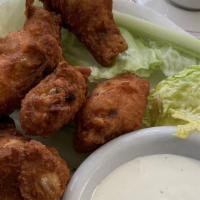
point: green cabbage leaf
(176, 101)
(146, 54)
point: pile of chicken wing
(35, 77)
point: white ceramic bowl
(159, 140)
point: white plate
(188, 20)
(63, 141)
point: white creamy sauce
(156, 177)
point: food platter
(63, 141)
(100, 80)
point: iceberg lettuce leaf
(176, 101)
(143, 57)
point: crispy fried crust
(54, 101)
(11, 154)
(47, 177)
(8, 140)
(30, 170)
(28, 55)
(115, 107)
(92, 22)
(10, 159)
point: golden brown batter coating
(28, 55)
(9, 171)
(8, 140)
(11, 152)
(115, 107)
(92, 22)
(43, 174)
(30, 170)
(54, 101)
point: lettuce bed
(176, 101)
(164, 51)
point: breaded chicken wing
(30, 170)
(11, 148)
(28, 55)
(43, 174)
(92, 22)
(115, 107)
(54, 101)
(10, 159)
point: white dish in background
(188, 20)
(159, 140)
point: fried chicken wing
(54, 101)
(30, 170)
(92, 22)
(115, 107)
(28, 55)
(11, 148)
(47, 177)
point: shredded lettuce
(176, 101)
(144, 57)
